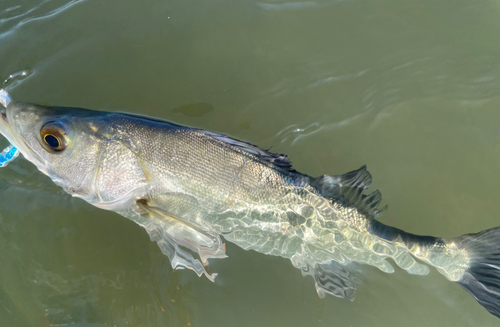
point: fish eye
(53, 137)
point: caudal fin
(482, 278)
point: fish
(191, 189)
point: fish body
(187, 187)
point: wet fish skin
(187, 187)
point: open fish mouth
(4, 116)
(6, 128)
(3, 112)
(5, 99)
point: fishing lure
(11, 152)
(8, 154)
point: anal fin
(332, 278)
(174, 234)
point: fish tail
(471, 260)
(482, 277)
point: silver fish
(186, 187)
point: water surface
(408, 87)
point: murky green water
(408, 87)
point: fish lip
(8, 132)
(5, 127)
(5, 100)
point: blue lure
(8, 154)
(11, 152)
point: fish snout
(5, 99)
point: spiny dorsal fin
(278, 159)
(348, 188)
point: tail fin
(482, 278)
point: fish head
(63, 143)
(77, 148)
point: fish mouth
(5, 99)
(4, 115)
(9, 131)
(5, 128)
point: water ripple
(287, 5)
(17, 77)
(16, 15)
(295, 133)
(294, 5)
(336, 78)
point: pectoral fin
(173, 233)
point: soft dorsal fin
(348, 188)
